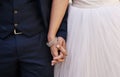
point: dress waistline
(93, 5)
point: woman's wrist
(51, 42)
(50, 37)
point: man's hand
(58, 51)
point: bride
(93, 41)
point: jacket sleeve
(62, 32)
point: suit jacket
(31, 19)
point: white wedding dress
(93, 41)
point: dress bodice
(91, 3)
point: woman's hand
(58, 51)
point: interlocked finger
(62, 50)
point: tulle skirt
(93, 43)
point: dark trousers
(22, 56)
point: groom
(23, 37)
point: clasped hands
(58, 50)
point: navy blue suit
(23, 35)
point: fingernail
(52, 64)
(58, 46)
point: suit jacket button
(15, 11)
(15, 24)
